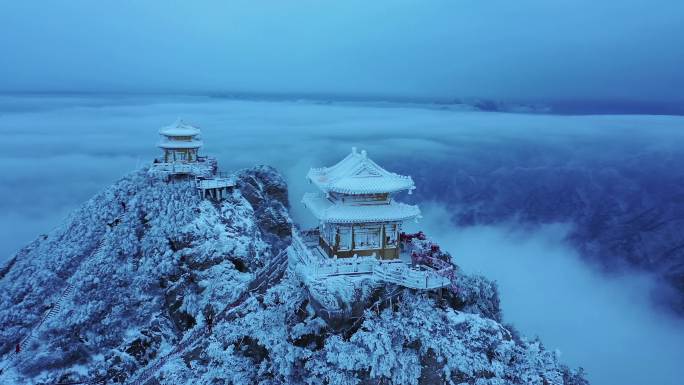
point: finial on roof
(354, 150)
(364, 153)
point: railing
(342, 266)
(215, 183)
(182, 168)
(405, 276)
(423, 253)
(310, 236)
(301, 253)
(204, 166)
(438, 274)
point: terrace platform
(311, 263)
(203, 167)
(216, 187)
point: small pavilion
(180, 142)
(357, 213)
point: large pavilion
(356, 209)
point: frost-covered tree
(146, 263)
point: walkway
(48, 314)
(262, 282)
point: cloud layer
(59, 151)
(605, 324)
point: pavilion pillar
(383, 244)
(336, 245)
(353, 239)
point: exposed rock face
(146, 262)
(265, 189)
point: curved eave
(371, 186)
(179, 144)
(174, 133)
(373, 189)
(326, 211)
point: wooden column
(336, 246)
(353, 241)
(383, 244)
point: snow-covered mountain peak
(149, 283)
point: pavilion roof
(325, 210)
(179, 128)
(358, 174)
(179, 144)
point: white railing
(403, 275)
(344, 266)
(395, 271)
(301, 253)
(204, 167)
(215, 183)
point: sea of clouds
(58, 151)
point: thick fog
(604, 323)
(60, 151)
(521, 50)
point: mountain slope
(146, 264)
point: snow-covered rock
(146, 263)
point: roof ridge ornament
(354, 150)
(364, 154)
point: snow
(176, 144)
(146, 258)
(201, 168)
(179, 128)
(358, 174)
(150, 261)
(326, 211)
(215, 183)
(274, 344)
(320, 273)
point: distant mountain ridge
(9, 102)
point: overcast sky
(526, 49)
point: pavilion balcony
(203, 167)
(312, 263)
(216, 182)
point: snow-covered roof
(327, 211)
(358, 174)
(179, 128)
(175, 144)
